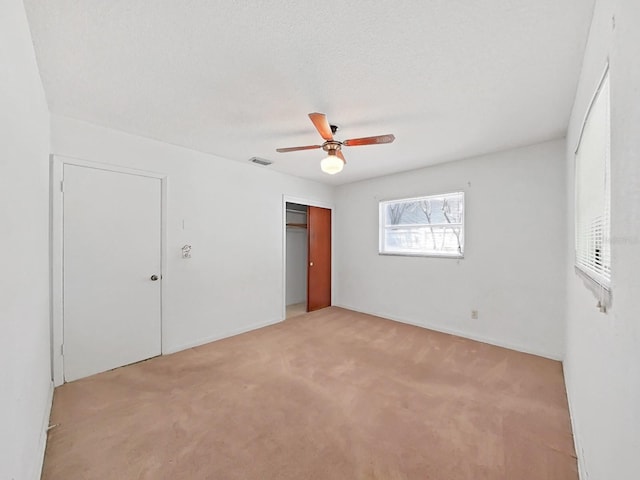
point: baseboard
(213, 338)
(42, 441)
(582, 470)
(460, 333)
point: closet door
(319, 267)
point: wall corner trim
(582, 471)
(38, 458)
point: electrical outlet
(474, 314)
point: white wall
(297, 252)
(25, 373)
(602, 364)
(232, 215)
(513, 270)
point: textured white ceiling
(449, 78)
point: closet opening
(307, 258)
(297, 257)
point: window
(428, 226)
(593, 198)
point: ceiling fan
(334, 162)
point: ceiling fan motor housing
(331, 146)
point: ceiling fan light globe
(332, 165)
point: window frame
(382, 226)
(599, 284)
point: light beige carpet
(331, 394)
(296, 309)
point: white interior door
(112, 250)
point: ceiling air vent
(260, 161)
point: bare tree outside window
(396, 211)
(425, 206)
(446, 210)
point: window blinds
(593, 199)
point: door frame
(56, 253)
(312, 203)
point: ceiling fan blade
(295, 149)
(341, 156)
(322, 125)
(356, 142)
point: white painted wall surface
(232, 214)
(602, 363)
(513, 270)
(25, 375)
(297, 251)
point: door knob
(154, 278)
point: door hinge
(62, 349)
(62, 186)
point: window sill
(600, 292)
(428, 255)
